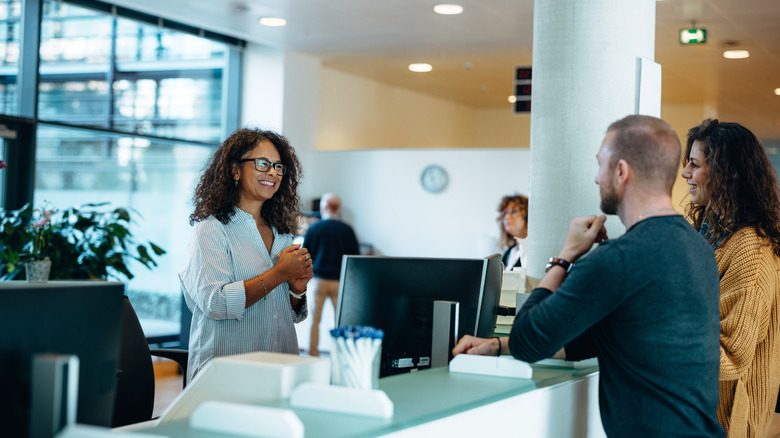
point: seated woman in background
(245, 281)
(513, 220)
(735, 205)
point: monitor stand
(445, 332)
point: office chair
(134, 394)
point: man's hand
(583, 233)
(473, 345)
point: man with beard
(644, 304)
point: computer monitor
(396, 294)
(67, 317)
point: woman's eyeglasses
(264, 165)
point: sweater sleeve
(747, 268)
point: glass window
(154, 180)
(142, 107)
(10, 14)
(160, 82)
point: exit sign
(693, 36)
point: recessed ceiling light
(736, 54)
(777, 91)
(511, 99)
(273, 21)
(420, 68)
(448, 9)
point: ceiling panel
(378, 40)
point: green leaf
(143, 252)
(122, 214)
(157, 250)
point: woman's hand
(299, 284)
(294, 264)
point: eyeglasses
(510, 211)
(264, 165)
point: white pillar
(585, 58)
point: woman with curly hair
(245, 282)
(735, 205)
(513, 221)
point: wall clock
(433, 178)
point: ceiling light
(777, 91)
(445, 9)
(420, 68)
(273, 21)
(736, 54)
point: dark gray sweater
(645, 304)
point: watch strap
(555, 261)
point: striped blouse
(221, 258)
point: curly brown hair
(741, 183)
(507, 239)
(217, 194)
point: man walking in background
(327, 241)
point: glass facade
(127, 113)
(10, 28)
(155, 179)
(100, 71)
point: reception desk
(555, 402)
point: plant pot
(38, 271)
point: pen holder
(355, 356)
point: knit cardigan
(749, 334)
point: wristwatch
(565, 264)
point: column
(585, 76)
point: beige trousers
(320, 289)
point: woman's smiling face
(253, 184)
(696, 172)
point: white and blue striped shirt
(222, 257)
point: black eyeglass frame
(280, 168)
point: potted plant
(91, 241)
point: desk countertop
(418, 398)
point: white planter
(38, 271)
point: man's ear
(622, 171)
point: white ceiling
(474, 54)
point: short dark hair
(217, 194)
(650, 146)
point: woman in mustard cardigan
(735, 205)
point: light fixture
(420, 67)
(273, 21)
(448, 9)
(511, 99)
(736, 54)
(777, 91)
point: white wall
(383, 199)
(380, 189)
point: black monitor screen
(396, 294)
(80, 317)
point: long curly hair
(507, 239)
(741, 183)
(217, 194)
